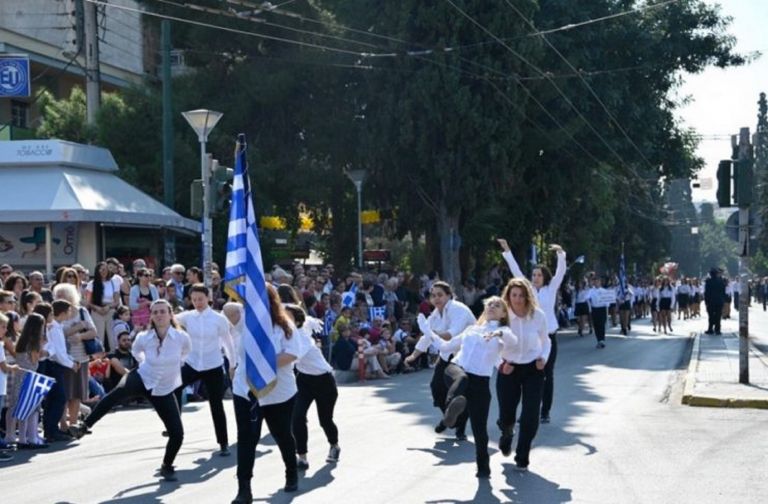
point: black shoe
(483, 473)
(709, 332)
(168, 473)
(440, 427)
(544, 418)
(224, 451)
(291, 483)
(455, 408)
(505, 445)
(59, 436)
(302, 464)
(165, 433)
(243, 497)
(460, 436)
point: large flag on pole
(622, 278)
(34, 388)
(244, 280)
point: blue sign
(14, 76)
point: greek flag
(348, 298)
(534, 255)
(622, 278)
(244, 280)
(34, 388)
(377, 311)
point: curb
(693, 365)
(691, 399)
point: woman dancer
(275, 407)
(449, 319)
(468, 374)
(521, 377)
(546, 287)
(315, 383)
(160, 352)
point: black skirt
(582, 309)
(654, 305)
(665, 303)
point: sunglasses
(5, 273)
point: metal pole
(207, 223)
(48, 252)
(359, 186)
(744, 232)
(169, 252)
(92, 75)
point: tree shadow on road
(483, 495)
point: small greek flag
(244, 280)
(348, 298)
(34, 388)
(377, 311)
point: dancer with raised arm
(476, 352)
(546, 286)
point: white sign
(605, 297)
(24, 244)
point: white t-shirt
(110, 287)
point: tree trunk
(450, 243)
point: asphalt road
(618, 435)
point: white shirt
(209, 332)
(3, 378)
(111, 286)
(310, 359)
(454, 319)
(666, 292)
(286, 380)
(583, 296)
(598, 297)
(57, 346)
(547, 294)
(160, 365)
(532, 336)
(476, 354)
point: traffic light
(724, 184)
(221, 188)
(743, 180)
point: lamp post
(203, 121)
(357, 177)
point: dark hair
(299, 317)
(277, 312)
(26, 298)
(445, 286)
(544, 272)
(31, 339)
(44, 309)
(97, 294)
(198, 273)
(61, 306)
(288, 294)
(12, 279)
(199, 287)
(119, 311)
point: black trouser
(214, 385)
(524, 383)
(439, 387)
(166, 407)
(322, 389)
(278, 417)
(56, 400)
(599, 317)
(549, 378)
(715, 315)
(736, 300)
(476, 390)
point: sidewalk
(713, 374)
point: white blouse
(310, 359)
(285, 388)
(533, 339)
(547, 294)
(209, 332)
(160, 363)
(478, 355)
(455, 318)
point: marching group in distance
(118, 336)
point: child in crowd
(122, 321)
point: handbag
(92, 346)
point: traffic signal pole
(743, 176)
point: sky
(722, 101)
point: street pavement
(619, 434)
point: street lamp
(203, 121)
(357, 177)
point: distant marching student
(666, 301)
(654, 301)
(477, 351)
(546, 286)
(315, 383)
(449, 319)
(599, 301)
(160, 352)
(683, 298)
(624, 302)
(581, 309)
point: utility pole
(92, 73)
(169, 254)
(743, 175)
